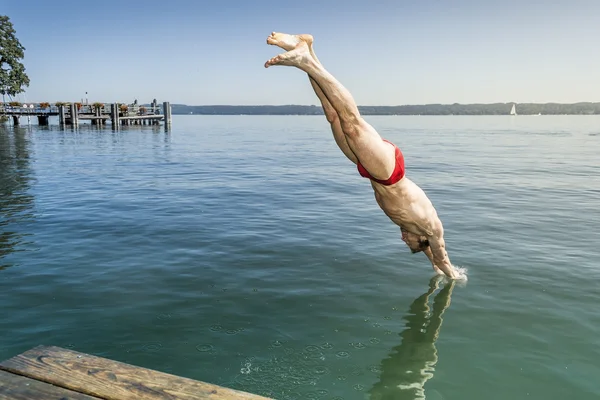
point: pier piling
(114, 115)
(74, 120)
(61, 115)
(167, 112)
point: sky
(386, 52)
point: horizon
(387, 53)
(373, 105)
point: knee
(332, 116)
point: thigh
(375, 155)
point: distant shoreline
(584, 108)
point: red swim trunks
(396, 175)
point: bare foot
(295, 58)
(289, 42)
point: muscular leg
(373, 153)
(334, 121)
(289, 42)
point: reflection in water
(15, 180)
(411, 364)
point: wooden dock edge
(101, 378)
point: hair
(423, 245)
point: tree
(13, 78)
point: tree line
(425, 109)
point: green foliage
(13, 78)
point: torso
(407, 206)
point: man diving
(377, 159)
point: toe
(270, 62)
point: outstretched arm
(440, 256)
(429, 255)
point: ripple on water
(375, 369)
(152, 347)
(203, 348)
(321, 370)
(316, 394)
(312, 349)
(284, 375)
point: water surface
(248, 252)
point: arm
(440, 256)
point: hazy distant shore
(426, 109)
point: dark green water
(248, 252)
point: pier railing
(35, 109)
(127, 110)
(98, 113)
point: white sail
(513, 111)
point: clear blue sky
(386, 52)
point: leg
(289, 42)
(334, 121)
(373, 153)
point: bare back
(407, 206)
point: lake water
(246, 251)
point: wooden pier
(98, 113)
(53, 373)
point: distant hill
(426, 109)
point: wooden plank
(112, 380)
(15, 387)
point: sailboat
(513, 110)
